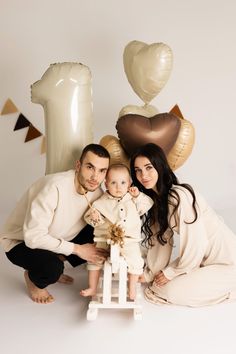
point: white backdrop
(202, 35)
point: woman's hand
(160, 279)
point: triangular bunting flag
(21, 122)
(175, 110)
(43, 146)
(33, 133)
(9, 107)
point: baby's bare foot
(132, 294)
(41, 296)
(133, 279)
(88, 292)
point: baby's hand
(141, 279)
(95, 215)
(134, 191)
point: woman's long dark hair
(166, 180)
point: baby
(120, 207)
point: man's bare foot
(88, 292)
(41, 296)
(65, 279)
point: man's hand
(90, 253)
(134, 191)
(160, 279)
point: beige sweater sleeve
(143, 203)
(193, 240)
(38, 219)
(157, 258)
(93, 217)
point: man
(47, 225)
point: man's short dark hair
(97, 149)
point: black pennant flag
(21, 122)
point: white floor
(62, 328)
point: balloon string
(77, 184)
(89, 204)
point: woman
(204, 271)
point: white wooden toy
(112, 288)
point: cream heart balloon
(147, 110)
(147, 67)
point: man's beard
(91, 189)
(88, 189)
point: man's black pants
(45, 267)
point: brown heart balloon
(135, 130)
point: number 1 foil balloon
(65, 93)
(147, 67)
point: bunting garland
(9, 107)
(33, 133)
(175, 110)
(22, 122)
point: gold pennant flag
(9, 107)
(175, 110)
(32, 133)
(43, 145)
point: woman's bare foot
(41, 296)
(65, 279)
(88, 292)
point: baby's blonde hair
(118, 166)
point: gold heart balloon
(184, 144)
(147, 67)
(116, 151)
